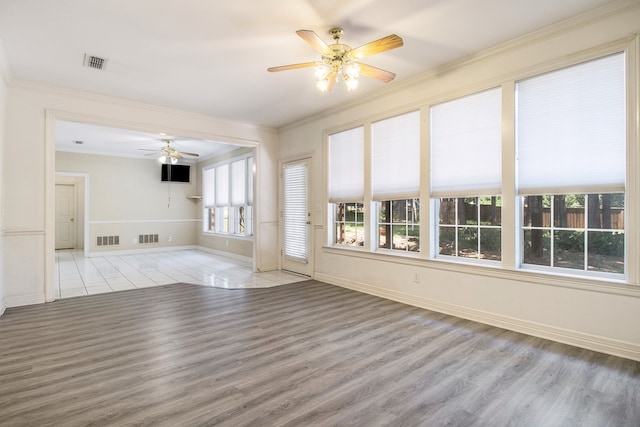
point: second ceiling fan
(168, 154)
(341, 61)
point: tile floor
(77, 275)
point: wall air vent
(107, 240)
(94, 62)
(147, 238)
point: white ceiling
(85, 138)
(211, 56)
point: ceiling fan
(168, 154)
(341, 61)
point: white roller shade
(571, 129)
(238, 183)
(222, 185)
(250, 181)
(395, 157)
(208, 187)
(466, 146)
(346, 166)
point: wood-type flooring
(303, 354)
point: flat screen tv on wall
(176, 173)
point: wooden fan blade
(292, 66)
(151, 154)
(386, 43)
(315, 41)
(332, 81)
(184, 153)
(148, 149)
(376, 73)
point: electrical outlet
(170, 238)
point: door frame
(308, 158)
(85, 221)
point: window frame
(579, 187)
(456, 226)
(391, 225)
(510, 265)
(335, 221)
(585, 229)
(485, 183)
(224, 220)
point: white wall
(28, 199)
(127, 198)
(3, 109)
(593, 314)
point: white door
(65, 216)
(296, 218)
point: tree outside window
(575, 231)
(399, 225)
(470, 227)
(349, 224)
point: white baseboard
(140, 251)
(565, 336)
(21, 300)
(3, 306)
(223, 253)
(170, 248)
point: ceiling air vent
(94, 62)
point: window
(571, 135)
(210, 224)
(228, 197)
(245, 220)
(239, 196)
(554, 175)
(346, 186)
(395, 181)
(576, 231)
(208, 198)
(466, 175)
(399, 225)
(470, 227)
(349, 224)
(222, 198)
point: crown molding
(568, 25)
(123, 102)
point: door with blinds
(296, 218)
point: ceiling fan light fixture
(322, 70)
(350, 82)
(351, 70)
(339, 60)
(167, 160)
(322, 84)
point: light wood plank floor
(300, 354)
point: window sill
(494, 269)
(228, 236)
